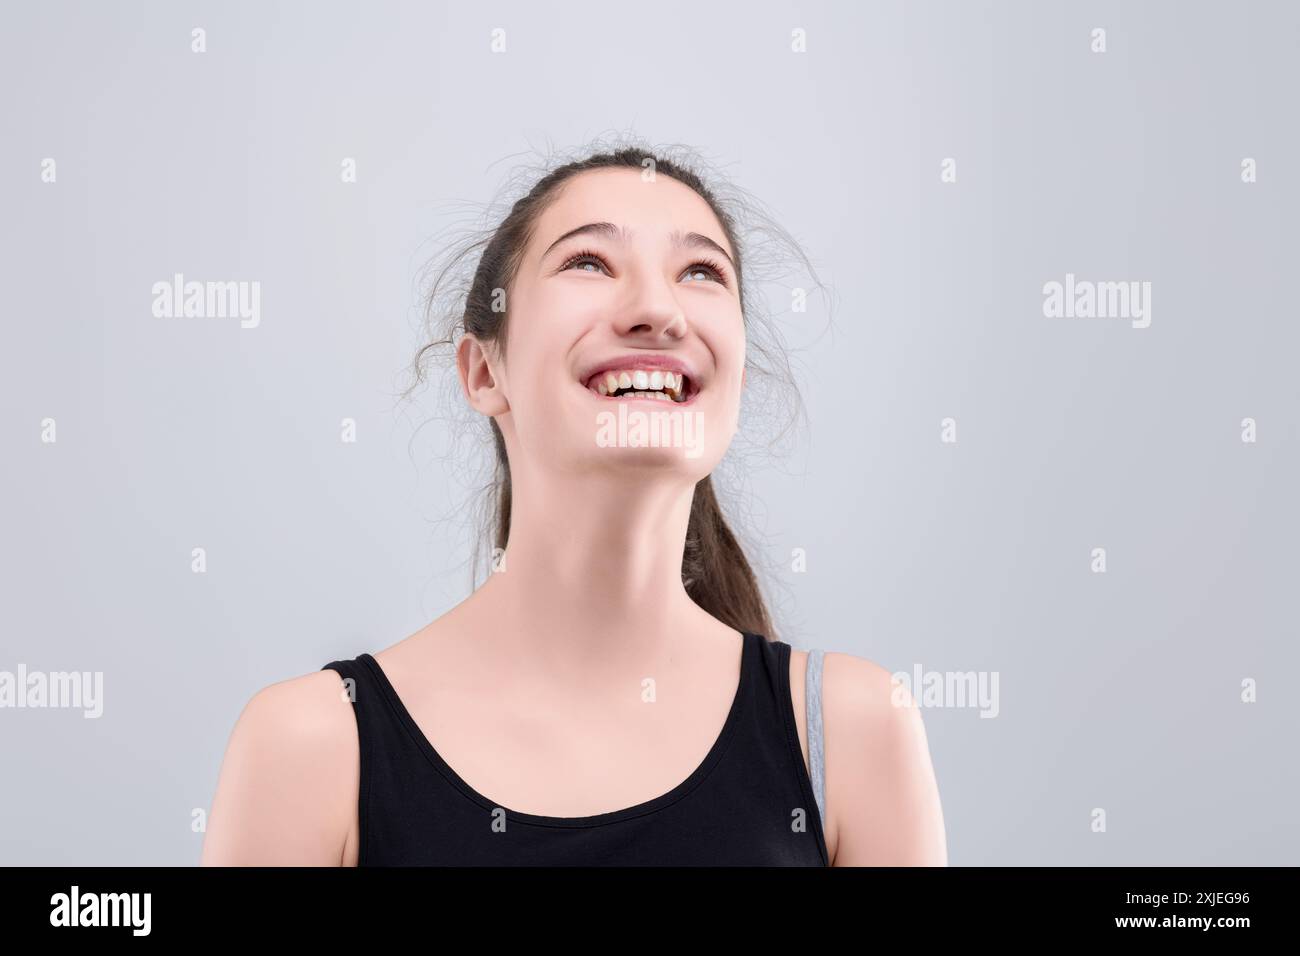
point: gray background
(1119, 691)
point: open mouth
(637, 383)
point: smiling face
(625, 301)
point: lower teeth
(662, 396)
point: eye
(585, 258)
(708, 268)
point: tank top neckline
(748, 662)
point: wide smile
(631, 384)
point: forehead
(649, 210)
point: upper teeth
(647, 380)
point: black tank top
(750, 803)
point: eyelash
(588, 254)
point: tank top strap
(816, 741)
(383, 746)
(777, 708)
(358, 685)
(377, 722)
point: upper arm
(287, 789)
(880, 783)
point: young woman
(613, 693)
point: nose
(653, 311)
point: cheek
(540, 379)
(557, 316)
(723, 329)
(569, 300)
(726, 342)
(727, 345)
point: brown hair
(715, 571)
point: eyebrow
(680, 240)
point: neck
(594, 560)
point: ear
(477, 379)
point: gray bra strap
(816, 744)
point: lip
(651, 362)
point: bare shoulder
(287, 790)
(881, 794)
